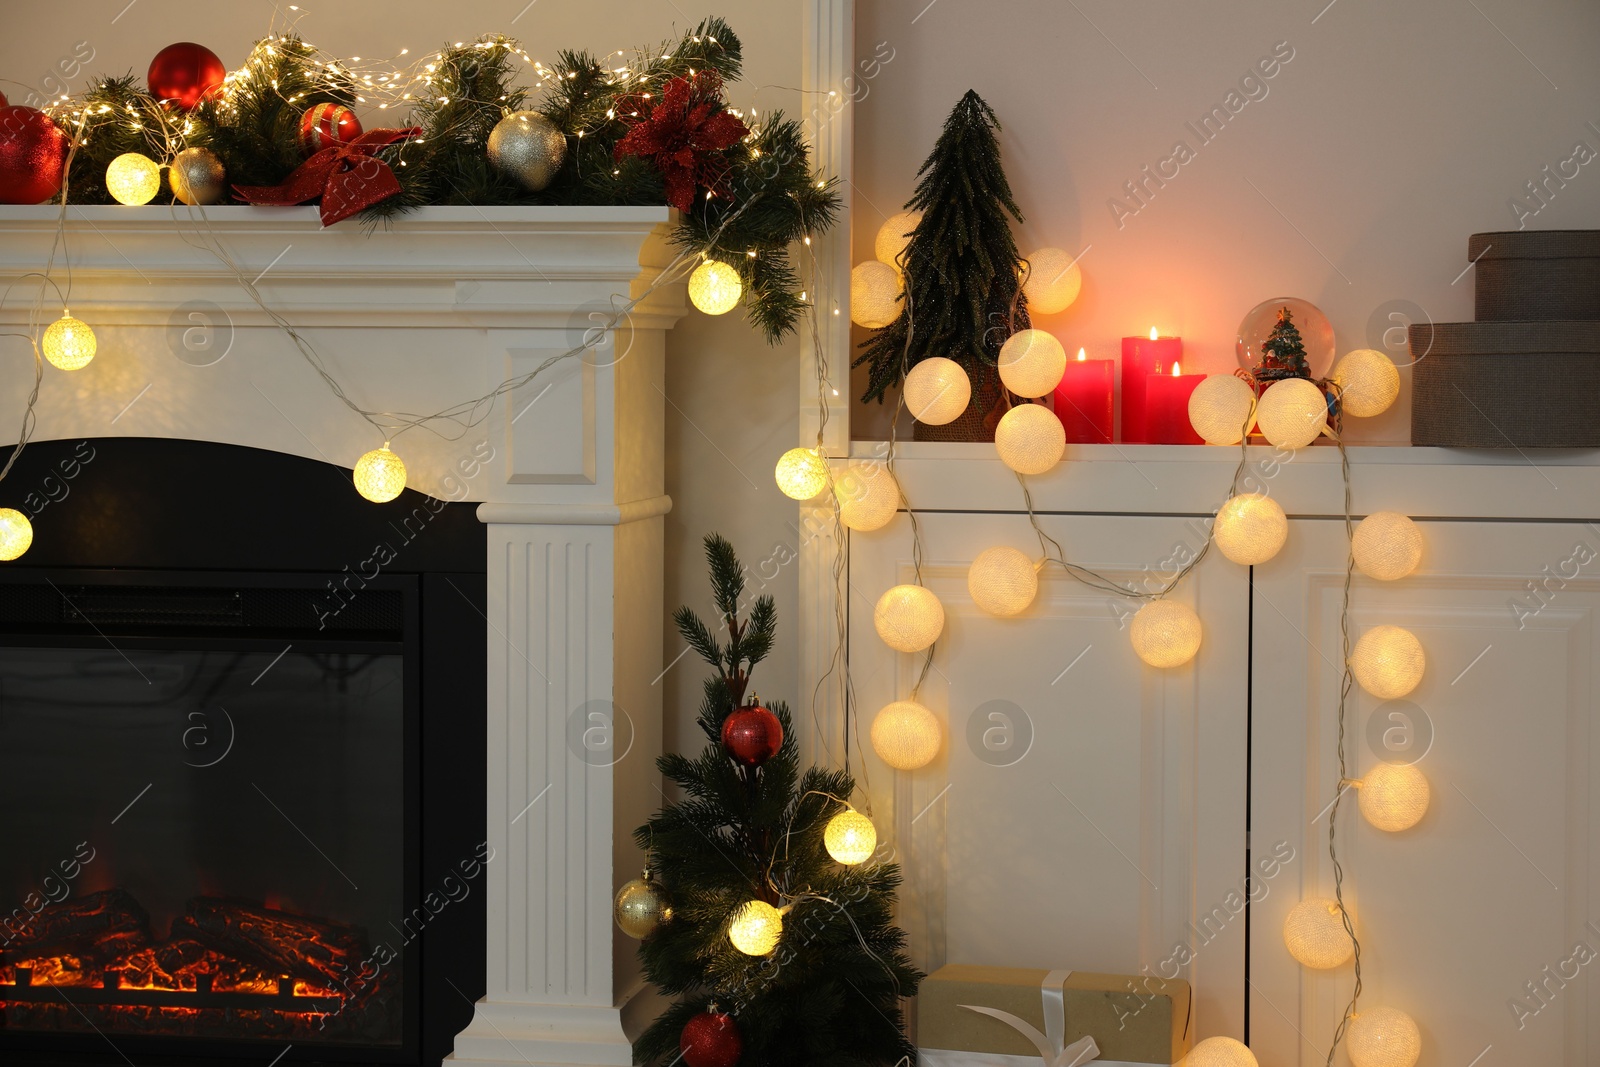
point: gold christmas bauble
(893, 236)
(1368, 382)
(1394, 796)
(1315, 936)
(380, 475)
(16, 533)
(527, 147)
(1053, 280)
(1383, 1037)
(641, 906)
(197, 177)
(1388, 661)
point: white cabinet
(1119, 841)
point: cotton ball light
(1002, 581)
(1292, 413)
(380, 475)
(874, 294)
(1368, 382)
(850, 837)
(1220, 1052)
(16, 533)
(1387, 545)
(133, 179)
(937, 391)
(801, 473)
(715, 288)
(1394, 796)
(868, 496)
(69, 343)
(1165, 633)
(905, 735)
(1054, 279)
(1218, 408)
(1250, 528)
(1388, 662)
(1030, 439)
(1315, 936)
(755, 928)
(893, 236)
(909, 618)
(1383, 1037)
(1032, 363)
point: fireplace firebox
(246, 803)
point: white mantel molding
(576, 514)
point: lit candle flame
(1153, 335)
(1175, 369)
(1082, 355)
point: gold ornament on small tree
(641, 906)
(528, 148)
(197, 177)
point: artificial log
(274, 941)
(101, 926)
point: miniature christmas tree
(1283, 353)
(961, 264)
(745, 862)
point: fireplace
(219, 846)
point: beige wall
(732, 399)
(1394, 132)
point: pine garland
(253, 126)
(829, 994)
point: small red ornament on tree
(682, 133)
(327, 126)
(711, 1039)
(184, 73)
(33, 156)
(752, 734)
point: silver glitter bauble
(528, 147)
(641, 906)
(197, 176)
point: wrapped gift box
(1133, 1019)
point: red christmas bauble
(711, 1039)
(33, 156)
(752, 735)
(184, 73)
(325, 125)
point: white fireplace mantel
(435, 309)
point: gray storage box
(1524, 275)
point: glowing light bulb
(909, 618)
(937, 391)
(16, 533)
(1053, 282)
(875, 294)
(868, 496)
(756, 928)
(69, 343)
(1220, 1052)
(1030, 439)
(1368, 382)
(1383, 1037)
(1315, 936)
(1218, 408)
(1292, 413)
(850, 837)
(801, 473)
(133, 179)
(380, 475)
(1250, 529)
(1031, 363)
(1165, 633)
(893, 236)
(1394, 796)
(1388, 661)
(1002, 581)
(905, 735)
(1387, 545)
(715, 288)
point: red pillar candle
(1167, 408)
(1083, 400)
(1142, 357)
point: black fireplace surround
(242, 742)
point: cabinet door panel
(1494, 885)
(1086, 811)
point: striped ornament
(325, 125)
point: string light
(1220, 1052)
(1002, 581)
(1394, 796)
(756, 928)
(69, 343)
(874, 294)
(16, 533)
(801, 473)
(937, 390)
(868, 496)
(715, 288)
(893, 236)
(133, 179)
(1250, 529)
(380, 475)
(1218, 408)
(1053, 280)
(850, 837)
(1032, 363)
(1383, 1037)
(1165, 633)
(909, 618)
(906, 735)
(1388, 662)
(1292, 413)
(1030, 439)
(1315, 936)
(1368, 382)
(1387, 546)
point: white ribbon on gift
(1051, 1044)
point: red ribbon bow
(348, 177)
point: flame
(1175, 369)
(1153, 335)
(1082, 355)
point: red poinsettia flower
(683, 133)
